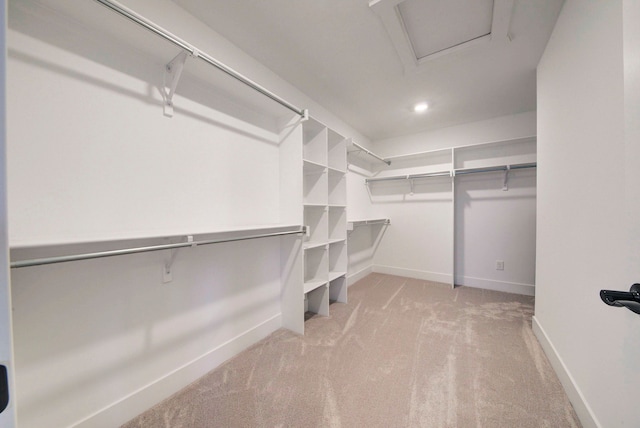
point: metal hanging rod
(495, 168)
(410, 177)
(388, 162)
(111, 253)
(356, 223)
(156, 29)
(454, 172)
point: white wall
(361, 240)
(586, 191)
(131, 172)
(497, 129)
(8, 415)
(419, 241)
(493, 224)
(91, 157)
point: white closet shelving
(432, 175)
(325, 204)
(516, 153)
(352, 224)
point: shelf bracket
(505, 180)
(411, 184)
(167, 275)
(172, 72)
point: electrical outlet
(499, 264)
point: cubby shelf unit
(325, 215)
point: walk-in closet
(341, 213)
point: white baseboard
(412, 273)
(352, 278)
(581, 407)
(146, 397)
(490, 284)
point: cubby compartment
(337, 151)
(316, 267)
(314, 142)
(337, 188)
(337, 259)
(315, 187)
(337, 223)
(317, 300)
(338, 290)
(316, 218)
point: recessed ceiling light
(420, 107)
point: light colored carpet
(401, 353)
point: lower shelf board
(308, 315)
(313, 284)
(336, 275)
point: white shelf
(415, 176)
(312, 285)
(76, 249)
(312, 168)
(369, 221)
(314, 142)
(310, 245)
(427, 153)
(336, 275)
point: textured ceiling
(339, 53)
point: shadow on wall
(88, 325)
(219, 92)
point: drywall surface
(360, 246)
(7, 414)
(585, 192)
(419, 241)
(496, 226)
(100, 161)
(497, 129)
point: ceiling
(356, 60)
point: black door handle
(4, 388)
(628, 299)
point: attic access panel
(422, 30)
(433, 26)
